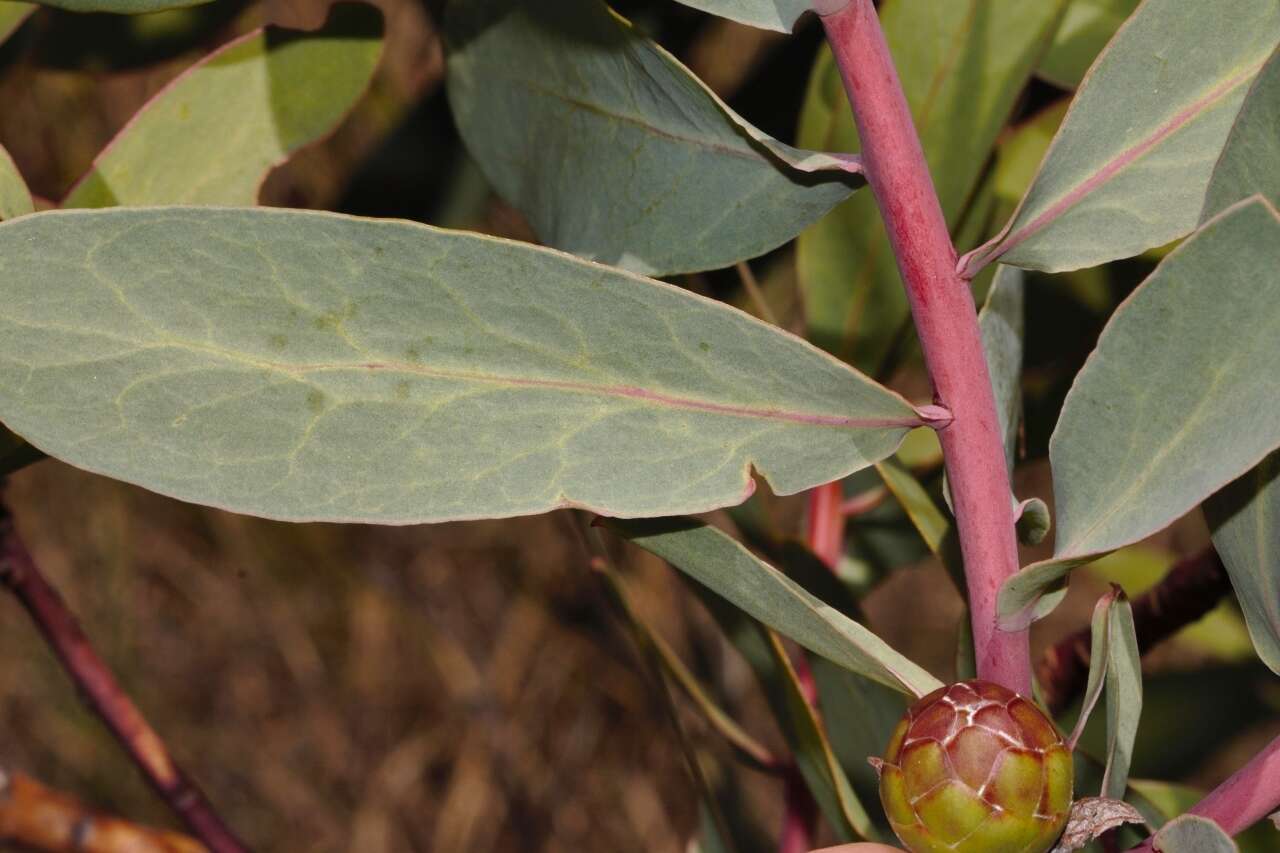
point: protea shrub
(976, 768)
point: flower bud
(976, 768)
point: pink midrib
(1111, 169)
(630, 392)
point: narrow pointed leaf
(212, 135)
(1193, 834)
(1001, 323)
(1176, 401)
(963, 64)
(1129, 168)
(1114, 661)
(1086, 28)
(1245, 521)
(121, 7)
(15, 198)
(725, 567)
(303, 365)
(1250, 162)
(12, 16)
(614, 150)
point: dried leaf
(1092, 816)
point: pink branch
(1247, 797)
(947, 322)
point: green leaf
(1130, 166)
(1193, 834)
(309, 366)
(1114, 661)
(1177, 399)
(963, 64)
(121, 7)
(777, 15)
(12, 16)
(15, 198)
(1085, 30)
(1001, 323)
(724, 566)
(212, 135)
(1250, 162)
(1245, 520)
(614, 150)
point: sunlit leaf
(614, 150)
(1250, 162)
(1176, 400)
(1129, 169)
(1085, 31)
(778, 15)
(12, 16)
(1245, 520)
(212, 135)
(15, 198)
(963, 64)
(724, 566)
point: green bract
(976, 768)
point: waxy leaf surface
(303, 365)
(15, 198)
(1131, 164)
(963, 64)
(1250, 162)
(1085, 30)
(1178, 399)
(615, 151)
(1245, 521)
(724, 566)
(1193, 834)
(212, 135)
(777, 15)
(1001, 324)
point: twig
(1190, 589)
(104, 696)
(38, 818)
(1247, 797)
(947, 324)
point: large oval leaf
(212, 135)
(963, 64)
(1179, 398)
(613, 149)
(718, 562)
(303, 365)
(1131, 164)
(1245, 520)
(1085, 30)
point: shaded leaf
(932, 525)
(1033, 521)
(1250, 161)
(1001, 324)
(613, 149)
(1245, 521)
(15, 198)
(12, 16)
(962, 64)
(1086, 28)
(724, 566)
(1130, 166)
(1172, 404)
(1114, 661)
(308, 366)
(1090, 818)
(212, 135)
(1193, 834)
(778, 15)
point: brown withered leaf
(1092, 816)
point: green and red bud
(976, 768)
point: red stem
(1247, 797)
(104, 695)
(825, 523)
(947, 323)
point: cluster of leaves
(304, 366)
